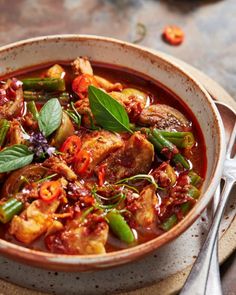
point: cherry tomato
(81, 83)
(101, 175)
(173, 35)
(82, 161)
(70, 148)
(50, 190)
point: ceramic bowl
(152, 64)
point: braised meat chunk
(11, 99)
(80, 236)
(81, 65)
(34, 221)
(59, 166)
(164, 117)
(100, 145)
(135, 157)
(146, 204)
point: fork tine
(231, 141)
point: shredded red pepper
(70, 148)
(101, 175)
(50, 190)
(82, 161)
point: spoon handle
(213, 281)
(197, 280)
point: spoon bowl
(228, 116)
(201, 278)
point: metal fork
(198, 278)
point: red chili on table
(81, 83)
(50, 190)
(70, 148)
(173, 35)
(82, 161)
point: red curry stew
(94, 159)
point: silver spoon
(213, 282)
(198, 279)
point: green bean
(194, 193)
(120, 227)
(180, 139)
(160, 142)
(185, 208)
(48, 84)
(169, 223)
(4, 127)
(155, 142)
(179, 159)
(31, 107)
(10, 208)
(195, 179)
(40, 96)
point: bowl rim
(99, 261)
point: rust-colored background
(210, 44)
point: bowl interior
(65, 48)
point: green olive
(142, 97)
(65, 130)
(56, 71)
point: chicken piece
(135, 157)
(145, 214)
(86, 237)
(100, 144)
(81, 65)
(33, 221)
(133, 100)
(107, 85)
(59, 166)
(54, 227)
(164, 117)
(11, 99)
(164, 175)
(15, 133)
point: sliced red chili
(70, 148)
(50, 190)
(82, 161)
(101, 175)
(173, 35)
(81, 83)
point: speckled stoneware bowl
(32, 52)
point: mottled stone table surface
(209, 26)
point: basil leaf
(50, 116)
(108, 113)
(15, 157)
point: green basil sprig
(108, 113)
(50, 116)
(15, 157)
